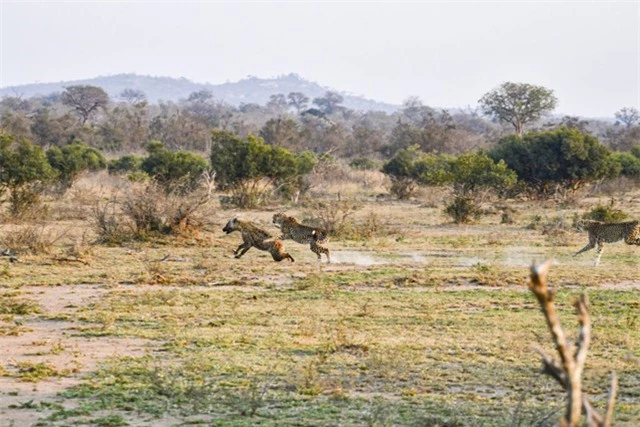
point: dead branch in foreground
(568, 372)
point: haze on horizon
(447, 54)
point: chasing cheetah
(292, 229)
(253, 236)
(601, 233)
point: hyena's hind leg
(278, 253)
(318, 250)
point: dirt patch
(53, 343)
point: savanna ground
(416, 322)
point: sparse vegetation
(127, 287)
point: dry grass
(417, 322)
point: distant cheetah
(292, 229)
(253, 236)
(601, 233)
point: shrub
(71, 160)
(173, 169)
(148, 211)
(24, 172)
(558, 159)
(332, 215)
(411, 167)
(607, 214)
(35, 239)
(463, 209)
(364, 163)
(125, 164)
(627, 164)
(250, 168)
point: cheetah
(601, 233)
(252, 236)
(293, 230)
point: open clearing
(420, 323)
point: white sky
(447, 53)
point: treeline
(291, 121)
(256, 152)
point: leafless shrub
(107, 224)
(332, 215)
(249, 194)
(373, 225)
(142, 206)
(147, 211)
(568, 371)
(32, 238)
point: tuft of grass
(37, 371)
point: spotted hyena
(252, 236)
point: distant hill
(250, 90)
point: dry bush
(557, 229)
(373, 225)
(32, 238)
(146, 211)
(107, 224)
(249, 194)
(332, 215)
(615, 187)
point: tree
(51, 131)
(330, 102)
(85, 100)
(134, 96)
(24, 172)
(281, 132)
(518, 104)
(71, 160)
(277, 103)
(559, 159)
(629, 116)
(298, 100)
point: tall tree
(629, 116)
(134, 96)
(330, 102)
(298, 100)
(518, 104)
(85, 100)
(277, 103)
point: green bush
(364, 164)
(467, 175)
(463, 209)
(125, 164)
(24, 173)
(606, 214)
(561, 158)
(627, 164)
(71, 160)
(411, 167)
(251, 169)
(174, 170)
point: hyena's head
(231, 225)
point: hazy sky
(447, 53)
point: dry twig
(568, 373)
